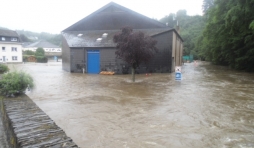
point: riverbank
(30, 126)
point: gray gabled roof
(8, 33)
(89, 38)
(42, 44)
(114, 16)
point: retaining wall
(27, 126)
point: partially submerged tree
(39, 52)
(40, 55)
(134, 48)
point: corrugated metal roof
(42, 44)
(8, 33)
(89, 38)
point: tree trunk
(133, 74)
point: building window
(3, 49)
(14, 39)
(14, 58)
(14, 49)
(3, 38)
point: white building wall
(10, 55)
(45, 49)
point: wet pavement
(211, 107)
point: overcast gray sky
(53, 16)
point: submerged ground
(211, 107)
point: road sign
(178, 69)
(178, 73)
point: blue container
(178, 76)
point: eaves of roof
(96, 38)
(169, 31)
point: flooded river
(211, 107)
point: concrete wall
(66, 56)
(177, 51)
(24, 120)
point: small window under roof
(80, 34)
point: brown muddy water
(211, 107)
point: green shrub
(40, 52)
(28, 52)
(25, 57)
(3, 68)
(41, 59)
(15, 83)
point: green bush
(28, 52)
(15, 83)
(3, 68)
(41, 59)
(25, 57)
(40, 52)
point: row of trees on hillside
(228, 37)
(223, 35)
(190, 28)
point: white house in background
(50, 49)
(10, 47)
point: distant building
(31, 58)
(49, 48)
(10, 47)
(89, 43)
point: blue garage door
(93, 58)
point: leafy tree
(207, 4)
(39, 52)
(169, 20)
(40, 55)
(229, 34)
(190, 28)
(28, 52)
(181, 15)
(3, 68)
(134, 48)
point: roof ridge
(117, 5)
